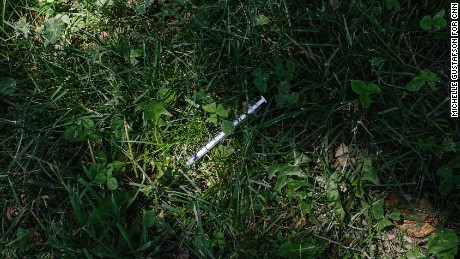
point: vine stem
(344, 247)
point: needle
(213, 142)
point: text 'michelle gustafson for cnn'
(454, 60)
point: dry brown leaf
(391, 200)
(36, 239)
(418, 219)
(11, 212)
(183, 254)
(343, 157)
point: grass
(83, 107)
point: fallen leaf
(11, 212)
(418, 219)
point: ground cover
(102, 102)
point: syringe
(222, 135)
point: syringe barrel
(222, 135)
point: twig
(129, 147)
(344, 247)
(91, 152)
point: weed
(102, 102)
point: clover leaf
(7, 86)
(434, 23)
(364, 91)
(284, 87)
(444, 244)
(260, 79)
(393, 4)
(104, 176)
(152, 111)
(425, 77)
(215, 109)
(53, 29)
(227, 127)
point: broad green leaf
(365, 100)
(430, 78)
(314, 95)
(87, 123)
(227, 127)
(95, 169)
(257, 72)
(133, 55)
(375, 62)
(456, 180)
(282, 99)
(289, 76)
(428, 143)
(101, 157)
(293, 98)
(372, 89)
(221, 111)
(332, 187)
(290, 66)
(257, 81)
(112, 183)
(262, 20)
(7, 86)
(281, 181)
(219, 235)
(445, 172)
(304, 207)
(117, 123)
(74, 133)
(444, 244)
(440, 14)
(100, 178)
(263, 87)
(415, 84)
(211, 108)
(23, 233)
(446, 186)
(383, 223)
(415, 253)
(358, 86)
(393, 4)
(395, 215)
(152, 111)
(104, 3)
(289, 170)
(378, 211)
(150, 218)
(305, 249)
(218, 240)
(212, 118)
(301, 159)
(280, 71)
(167, 95)
(224, 151)
(439, 23)
(22, 26)
(265, 77)
(368, 174)
(109, 170)
(53, 29)
(426, 23)
(333, 195)
(284, 87)
(141, 8)
(295, 185)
